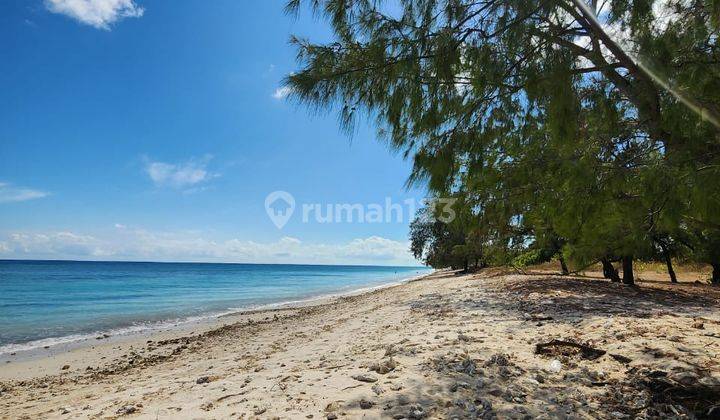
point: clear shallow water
(47, 302)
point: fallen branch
(587, 352)
(331, 367)
(224, 397)
(535, 318)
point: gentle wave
(166, 324)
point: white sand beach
(445, 346)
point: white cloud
(143, 245)
(10, 193)
(282, 92)
(186, 175)
(53, 245)
(97, 13)
(376, 248)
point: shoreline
(444, 346)
(48, 348)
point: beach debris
(384, 367)
(461, 363)
(555, 366)
(568, 348)
(596, 377)
(536, 318)
(678, 395)
(499, 359)
(621, 358)
(515, 394)
(684, 378)
(260, 410)
(224, 397)
(502, 363)
(467, 366)
(331, 416)
(403, 348)
(365, 378)
(495, 392)
(474, 407)
(65, 367)
(365, 404)
(698, 325)
(391, 350)
(416, 412)
(459, 385)
(202, 380)
(126, 410)
(333, 406)
(377, 389)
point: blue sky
(154, 130)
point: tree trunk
(609, 272)
(716, 273)
(668, 261)
(627, 265)
(563, 265)
(466, 265)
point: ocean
(51, 302)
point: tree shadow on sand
(458, 384)
(586, 297)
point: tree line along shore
(583, 131)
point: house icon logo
(279, 206)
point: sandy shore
(442, 347)
(98, 347)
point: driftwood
(536, 318)
(702, 400)
(556, 346)
(224, 397)
(621, 358)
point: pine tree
(598, 123)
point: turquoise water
(47, 302)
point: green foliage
(534, 256)
(591, 131)
(440, 242)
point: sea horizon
(202, 262)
